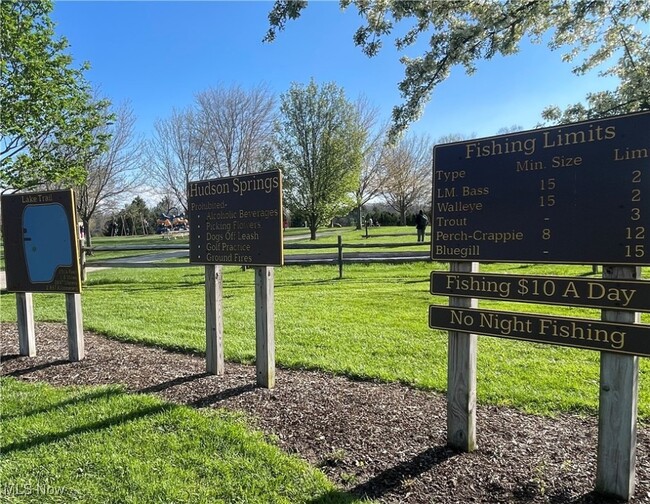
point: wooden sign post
(461, 375)
(25, 318)
(42, 255)
(264, 326)
(238, 221)
(617, 411)
(214, 319)
(573, 194)
(76, 348)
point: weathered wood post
(265, 326)
(26, 332)
(214, 319)
(340, 256)
(617, 416)
(461, 375)
(82, 264)
(76, 348)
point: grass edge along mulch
(384, 441)
(371, 325)
(103, 444)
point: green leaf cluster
(463, 32)
(631, 47)
(47, 114)
(320, 142)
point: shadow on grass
(126, 287)
(83, 429)
(391, 479)
(82, 398)
(296, 283)
(424, 280)
(95, 282)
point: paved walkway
(324, 258)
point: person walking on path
(421, 222)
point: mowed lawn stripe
(101, 444)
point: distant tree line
(136, 218)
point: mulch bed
(384, 441)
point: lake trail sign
(573, 194)
(42, 255)
(41, 245)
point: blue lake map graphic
(46, 238)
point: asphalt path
(289, 259)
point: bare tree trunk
(235, 125)
(114, 172)
(87, 238)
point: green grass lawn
(102, 445)
(380, 239)
(120, 241)
(371, 324)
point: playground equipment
(168, 223)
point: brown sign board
(573, 194)
(631, 295)
(589, 334)
(237, 220)
(41, 247)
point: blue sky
(157, 55)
